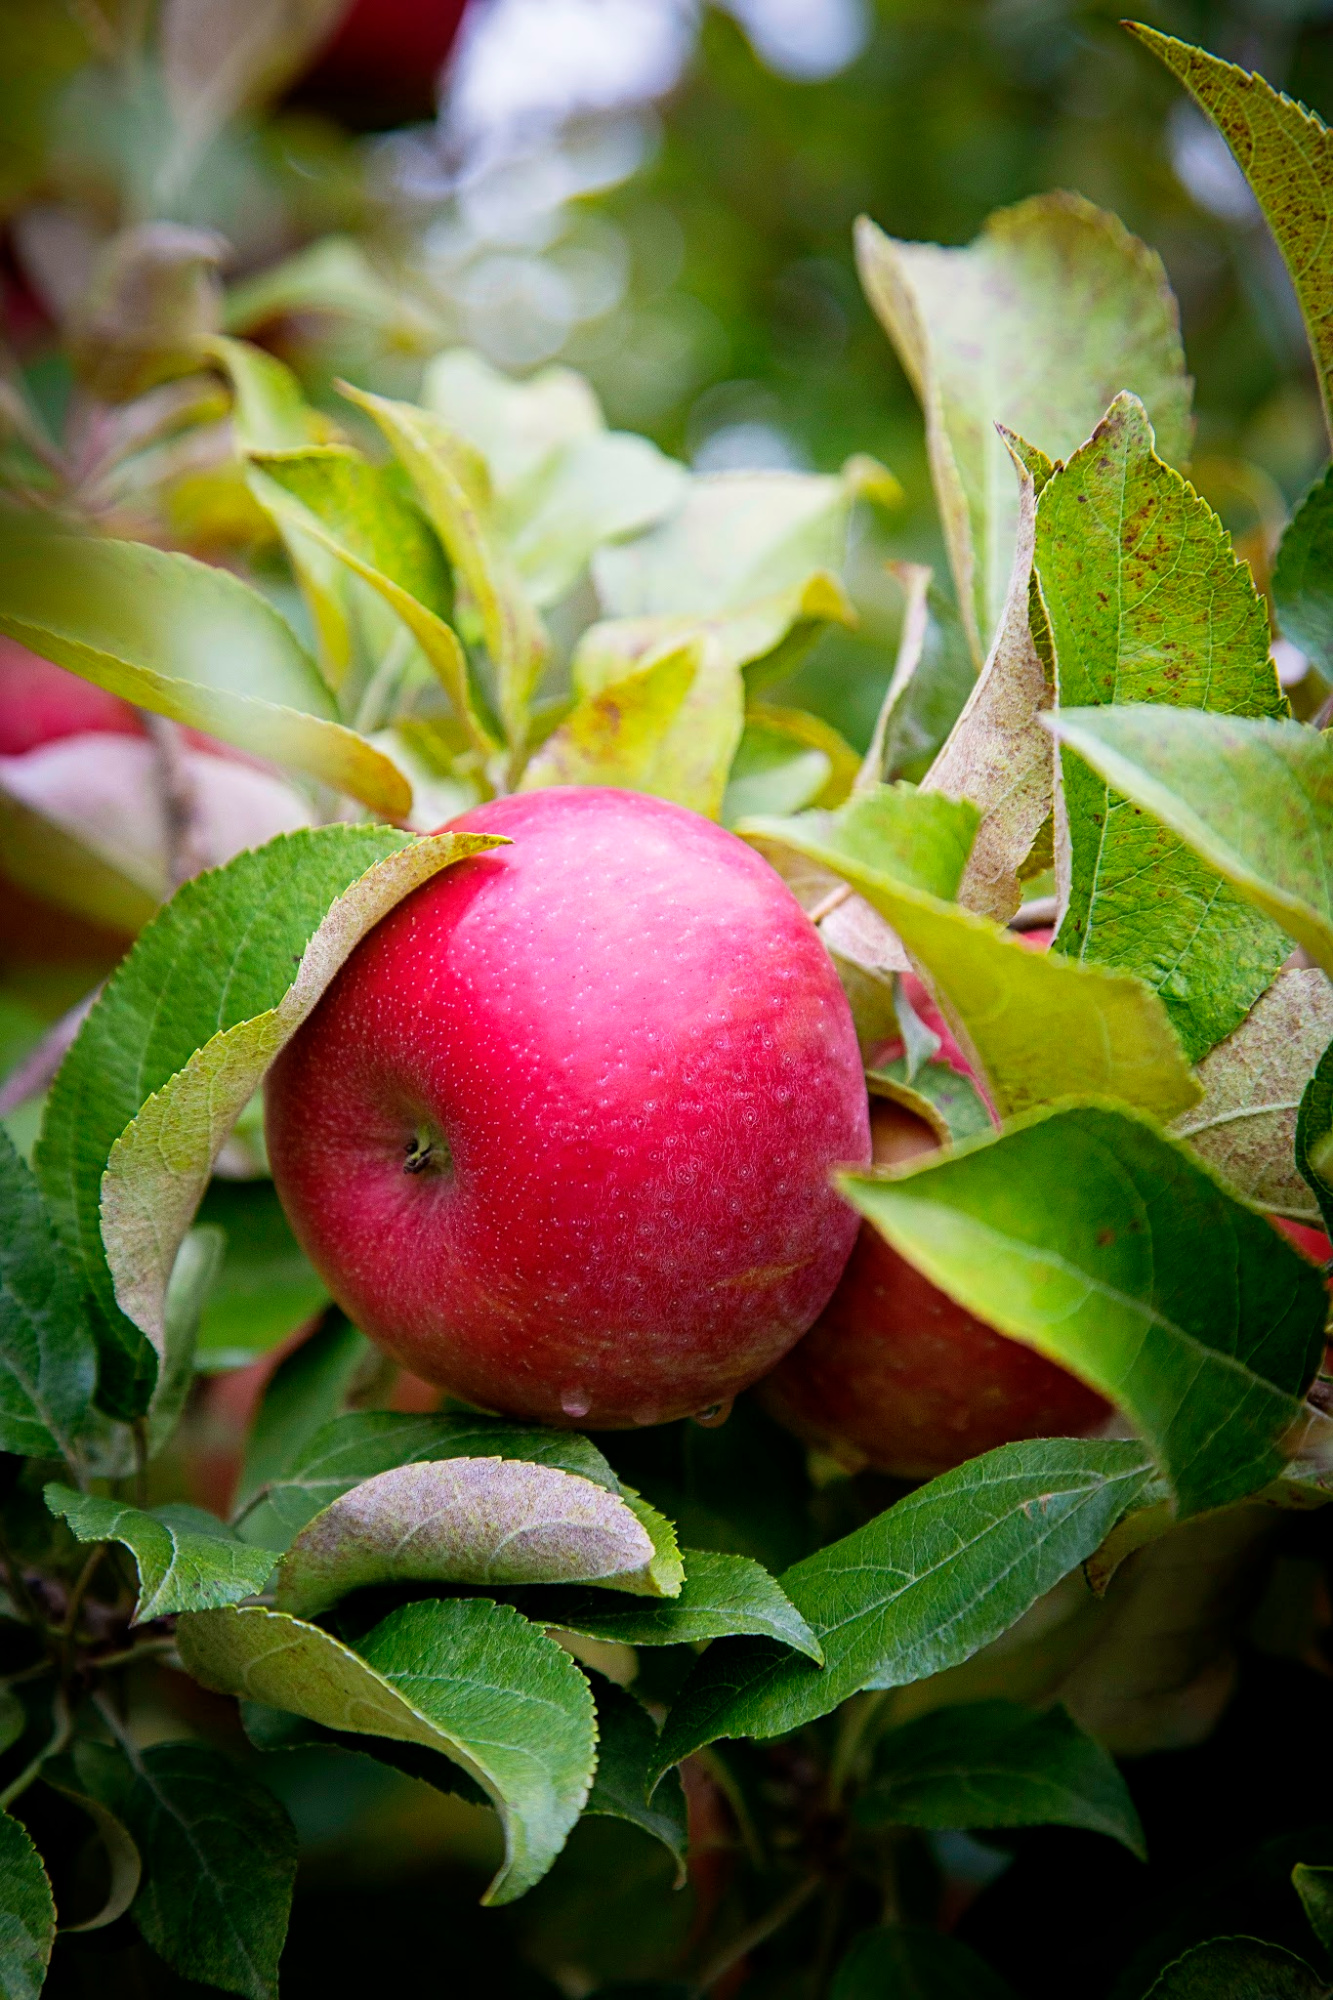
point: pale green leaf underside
(1245, 1126)
(1084, 1232)
(918, 1589)
(1253, 798)
(462, 1520)
(187, 1560)
(468, 1678)
(365, 1442)
(1036, 325)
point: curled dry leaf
(463, 1520)
(997, 754)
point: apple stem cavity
(428, 1152)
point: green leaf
(1254, 799)
(1087, 1234)
(949, 1103)
(187, 1560)
(1238, 1968)
(997, 755)
(27, 1914)
(269, 411)
(189, 641)
(219, 1860)
(626, 1750)
(1035, 326)
(463, 1676)
(787, 759)
(318, 1469)
(353, 511)
(907, 1962)
(1313, 1143)
(1314, 1886)
(464, 1520)
(48, 1360)
(452, 486)
(1302, 582)
(266, 1285)
(1285, 154)
(993, 1763)
(721, 1595)
(1245, 1127)
(1034, 1025)
(307, 1389)
(920, 1588)
(1147, 602)
(62, 862)
(665, 1575)
(176, 1045)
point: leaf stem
(58, 1739)
(146, 1649)
(758, 1932)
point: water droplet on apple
(715, 1415)
(574, 1403)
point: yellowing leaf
(1036, 1026)
(189, 641)
(453, 488)
(1036, 325)
(624, 735)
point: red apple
(894, 1374)
(40, 703)
(384, 58)
(560, 1134)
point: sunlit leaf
(1286, 155)
(189, 641)
(1036, 325)
(1036, 1026)
(1254, 799)
(918, 1589)
(1147, 602)
(1084, 1232)
(463, 1676)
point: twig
(107, 1711)
(35, 1072)
(58, 1739)
(74, 1602)
(827, 904)
(758, 1932)
(180, 802)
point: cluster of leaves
(498, 592)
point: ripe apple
(560, 1134)
(894, 1374)
(40, 703)
(383, 60)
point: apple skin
(642, 1067)
(41, 703)
(896, 1375)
